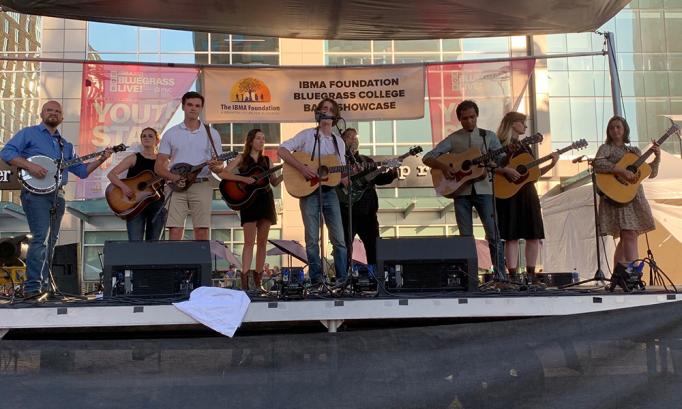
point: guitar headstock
(227, 156)
(119, 148)
(672, 130)
(415, 150)
(393, 163)
(579, 144)
(537, 138)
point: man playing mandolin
(478, 194)
(189, 142)
(43, 139)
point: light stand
(598, 275)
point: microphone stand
(599, 274)
(350, 161)
(318, 146)
(165, 216)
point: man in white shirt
(330, 144)
(188, 142)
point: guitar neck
(488, 156)
(548, 157)
(342, 168)
(80, 159)
(269, 172)
(648, 153)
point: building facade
(569, 99)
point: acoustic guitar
(190, 172)
(616, 187)
(361, 181)
(329, 174)
(528, 168)
(469, 167)
(239, 195)
(145, 191)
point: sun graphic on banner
(250, 90)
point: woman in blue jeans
(136, 164)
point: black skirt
(263, 207)
(520, 216)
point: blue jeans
(136, 226)
(310, 209)
(465, 222)
(37, 209)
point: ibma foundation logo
(250, 90)
(250, 96)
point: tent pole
(613, 71)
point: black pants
(367, 228)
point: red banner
(496, 87)
(118, 101)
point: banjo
(53, 179)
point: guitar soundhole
(324, 172)
(521, 169)
(466, 165)
(141, 186)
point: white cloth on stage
(220, 309)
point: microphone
(579, 159)
(322, 115)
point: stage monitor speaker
(155, 268)
(65, 268)
(427, 264)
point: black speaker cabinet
(428, 264)
(155, 268)
(65, 268)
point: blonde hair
(504, 132)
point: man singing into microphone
(330, 144)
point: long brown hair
(247, 160)
(626, 129)
(504, 132)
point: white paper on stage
(220, 309)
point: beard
(52, 121)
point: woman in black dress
(520, 216)
(260, 215)
(136, 164)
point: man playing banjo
(43, 139)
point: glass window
(414, 58)
(674, 62)
(271, 131)
(384, 150)
(221, 234)
(556, 43)
(453, 44)
(629, 61)
(581, 83)
(225, 133)
(631, 83)
(627, 32)
(110, 38)
(253, 43)
(220, 42)
(653, 32)
(262, 59)
(558, 83)
(486, 44)
(414, 131)
(580, 63)
(673, 30)
(417, 192)
(675, 79)
(417, 45)
(340, 46)
(383, 131)
(114, 57)
(91, 262)
(99, 237)
(583, 119)
(383, 46)
(579, 42)
(342, 59)
(185, 58)
(557, 64)
(179, 41)
(656, 84)
(560, 119)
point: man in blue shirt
(43, 139)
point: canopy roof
(340, 19)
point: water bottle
(355, 271)
(301, 276)
(640, 269)
(575, 277)
(285, 275)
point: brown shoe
(245, 279)
(534, 280)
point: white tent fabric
(569, 225)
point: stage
(330, 311)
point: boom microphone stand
(599, 274)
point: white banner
(290, 94)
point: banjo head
(46, 184)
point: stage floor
(330, 311)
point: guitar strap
(210, 138)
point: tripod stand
(599, 274)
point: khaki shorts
(197, 199)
